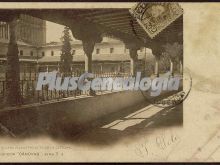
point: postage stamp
(155, 17)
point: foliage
(13, 93)
(174, 51)
(164, 63)
(66, 57)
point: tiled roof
(60, 43)
(79, 42)
(18, 42)
(24, 60)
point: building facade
(109, 56)
(30, 30)
(31, 34)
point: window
(21, 53)
(32, 53)
(111, 50)
(73, 52)
(97, 51)
(52, 53)
(43, 54)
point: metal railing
(31, 95)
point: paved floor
(128, 123)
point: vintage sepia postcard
(109, 82)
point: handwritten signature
(159, 143)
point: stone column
(37, 70)
(88, 47)
(157, 51)
(8, 31)
(171, 68)
(119, 67)
(89, 35)
(101, 68)
(133, 48)
(13, 93)
(156, 69)
(181, 67)
(58, 67)
(3, 30)
(133, 61)
(0, 29)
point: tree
(174, 52)
(66, 55)
(164, 62)
(13, 93)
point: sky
(53, 31)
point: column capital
(133, 53)
(86, 32)
(89, 34)
(88, 46)
(132, 45)
(157, 51)
(133, 48)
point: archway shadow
(110, 129)
(134, 121)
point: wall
(66, 114)
(25, 48)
